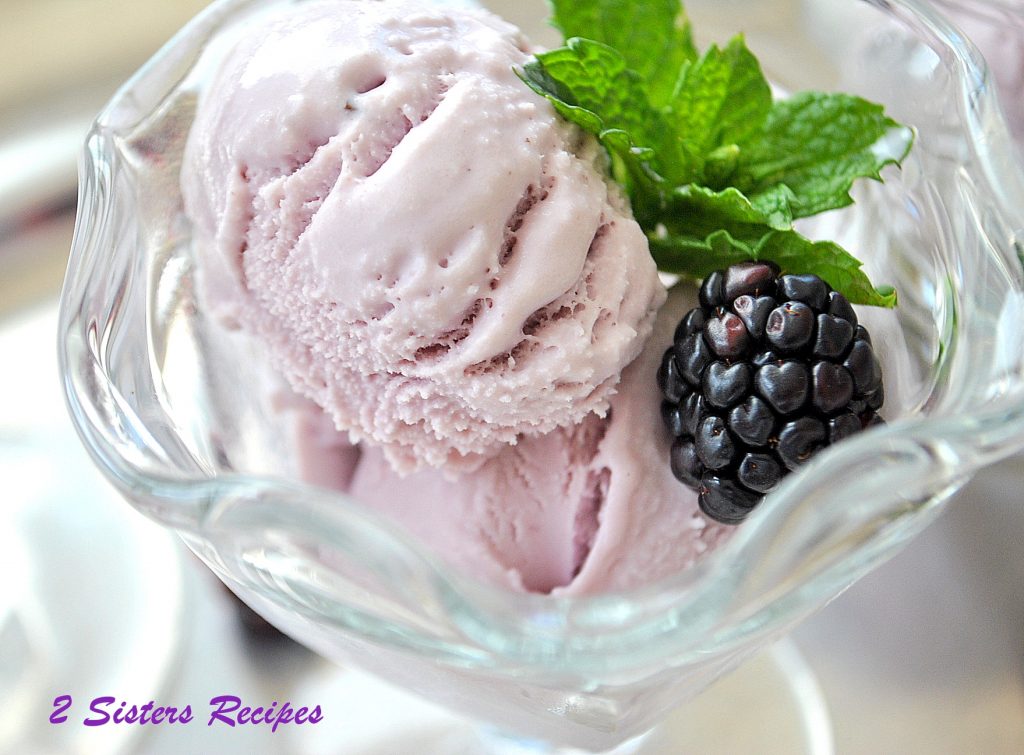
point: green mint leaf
(721, 99)
(697, 256)
(829, 261)
(818, 145)
(720, 165)
(698, 207)
(590, 84)
(654, 36)
(776, 204)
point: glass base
(770, 704)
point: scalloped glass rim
(787, 560)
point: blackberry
(767, 371)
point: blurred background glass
(61, 61)
(926, 655)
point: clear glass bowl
(155, 394)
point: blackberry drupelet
(767, 371)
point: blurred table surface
(925, 655)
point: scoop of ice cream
(585, 509)
(426, 249)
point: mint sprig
(716, 170)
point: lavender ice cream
(425, 248)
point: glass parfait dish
(154, 392)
